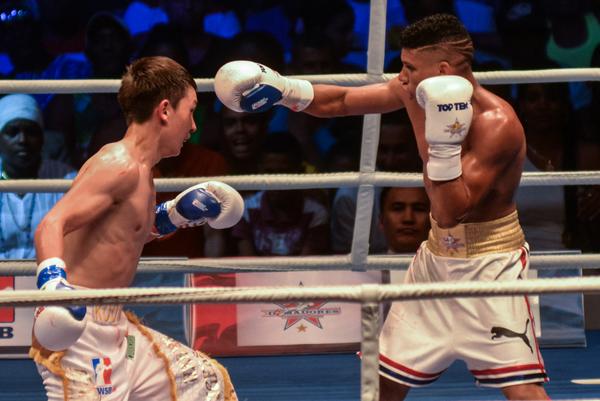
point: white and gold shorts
(118, 359)
(495, 336)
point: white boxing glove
(55, 327)
(448, 113)
(211, 202)
(252, 87)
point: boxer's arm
(93, 192)
(334, 101)
(486, 161)
(253, 87)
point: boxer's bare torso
(493, 152)
(107, 251)
(101, 225)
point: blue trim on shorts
(501, 380)
(406, 379)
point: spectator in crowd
(404, 221)
(574, 32)
(21, 141)
(404, 218)
(574, 36)
(282, 222)
(242, 137)
(334, 20)
(260, 47)
(397, 152)
(524, 32)
(549, 215)
(311, 54)
(202, 46)
(549, 221)
(89, 121)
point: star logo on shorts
(456, 128)
(452, 243)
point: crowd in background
(62, 39)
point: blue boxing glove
(55, 327)
(211, 202)
(252, 87)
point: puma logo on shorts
(498, 332)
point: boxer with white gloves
(95, 235)
(253, 87)
(448, 113)
(211, 202)
(472, 145)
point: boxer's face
(417, 65)
(181, 123)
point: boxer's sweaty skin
(492, 153)
(101, 225)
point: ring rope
(301, 263)
(64, 86)
(355, 293)
(307, 181)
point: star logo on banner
(294, 312)
(455, 128)
(302, 328)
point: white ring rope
(301, 263)
(356, 293)
(307, 181)
(62, 86)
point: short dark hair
(437, 30)
(149, 80)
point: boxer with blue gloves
(473, 147)
(93, 238)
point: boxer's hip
(471, 240)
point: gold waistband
(470, 240)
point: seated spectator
(260, 47)
(397, 152)
(282, 222)
(549, 220)
(404, 218)
(21, 141)
(404, 221)
(242, 137)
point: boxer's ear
(444, 68)
(163, 110)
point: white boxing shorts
(118, 359)
(495, 336)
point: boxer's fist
(448, 113)
(252, 87)
(211, 202)
(55, 327)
